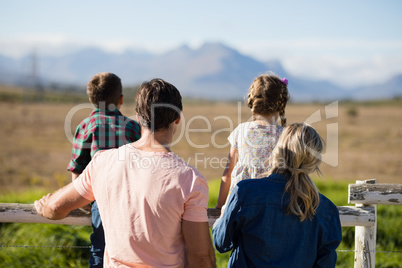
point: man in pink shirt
(153, 205)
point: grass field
(35, 150)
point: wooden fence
(363, 216)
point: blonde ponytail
(298, 153)
(304, 196)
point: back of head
(268, 94)
(158, 104)
(104, 90)
(298, 153)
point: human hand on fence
(41, 204)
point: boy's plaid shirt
(103, 129)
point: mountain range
(213, 71)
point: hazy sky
(347, 41)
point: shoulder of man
(187, 168)
(105, 153)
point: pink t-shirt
(142, 199)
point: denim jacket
(257, 228)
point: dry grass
(34, 149)
(369, 140)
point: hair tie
(285, 81)
(296, 171)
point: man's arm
(74, 175)
(57, 205)
(200, 252)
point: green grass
(41, 245)
(41, 239)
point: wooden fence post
(365, 238)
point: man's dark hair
(158, 104)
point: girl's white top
(255, 144)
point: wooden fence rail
(367, 194)
(26, 213)
(363, 216)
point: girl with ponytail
(282, 220)
(252, 142)
(297, 155)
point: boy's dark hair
(104, 87)
(158, 104)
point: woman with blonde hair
(282, 220)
